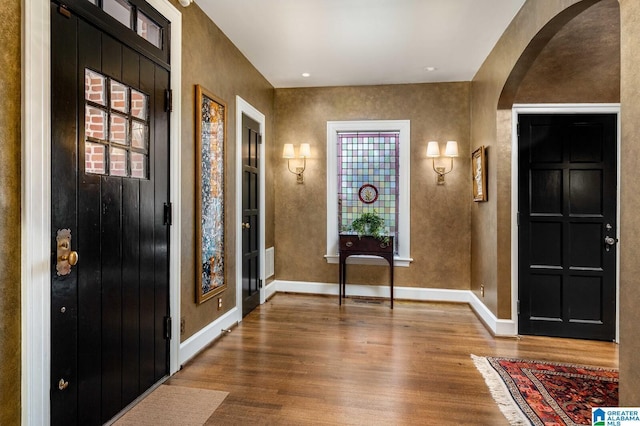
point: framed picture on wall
(479, 174)
(210, 135)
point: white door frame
(556, 109)
(243, 107)
(36, 203)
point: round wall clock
(368, 193)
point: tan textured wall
(629, 206)
(211, 60)
(439, 214)
(581, 63)
(495, 84)
(10, 213)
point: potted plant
(372, 224)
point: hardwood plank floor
(302, 359)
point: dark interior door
(109, 188)
(251, 140)
(567, 216)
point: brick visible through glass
(138, 105)
(149, 30)
(94, 87)
(138, 165)
(117, 161)
(94, 159)
(95, 123)
(119, 97)
(120, 128)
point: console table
(352, 245)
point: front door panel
(109, 186)
(567, 207)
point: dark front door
(251, 140)
(567, 215)
(109, 181)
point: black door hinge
(259, 283)
(259, 139)
(518, 308)
(168, 215)
(167, 328)
(168, 100)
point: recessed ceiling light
(306, 74)
(430, 69)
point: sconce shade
(305, 150)
(452, 149)
(433, 150)
(288, 151)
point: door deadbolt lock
(65, 257)
(609, 242)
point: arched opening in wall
(575, 58)
(564, 179)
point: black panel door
(109, 186)
(567, 215)
(251, 140)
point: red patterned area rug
(547, 393)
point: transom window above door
(116, 128)
(133, 18)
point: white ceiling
(363, 42)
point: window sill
(369, 260)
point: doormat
(174, 405)
(542, 393)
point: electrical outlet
(182, 325)
(219, 303)
(481, 290)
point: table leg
(391, 273)
(340, 283)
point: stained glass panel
(368, 158)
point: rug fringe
(500, 393)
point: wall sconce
(289, 153)
(433, 152)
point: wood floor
(301, 359)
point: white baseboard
(269, 290)
(498, 327)
(194, 344)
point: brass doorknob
(66, 258)
(73, 258)
(246, 225)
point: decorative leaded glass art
(368, 177)
(210, 145)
